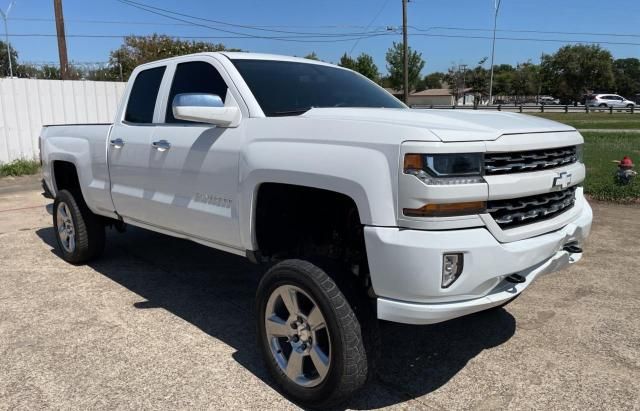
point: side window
(195, 77)
(142, 99)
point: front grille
(526, 210)
(522, 161)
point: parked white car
(609, 100)
(360, 208)
(548, 100)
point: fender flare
(361, 173)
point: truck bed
(87, 143)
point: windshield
(285, 88)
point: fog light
(451, 268)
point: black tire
(88, 229)
(602, 105)
(629, 106)
(348, 367)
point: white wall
(28, 104)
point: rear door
(129, 144)
(193, 167)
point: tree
(366, 67)
(525, 80)
(363, 64)
(40, 72)
(395, 66)
(347, 62)
(312, 56)
(434, 80)
(455, 80)
(502, 79)
(502, 83)
(577, 69)
(478, 81)
(4, 59)
(137, 50)
(627, 75)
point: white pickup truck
(360, 208)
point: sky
(436, 27)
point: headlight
(440, 169)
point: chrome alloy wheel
(66, 229)
(298, 335)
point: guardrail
(542, 108)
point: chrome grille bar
(522, 161)
(526, 210)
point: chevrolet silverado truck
(360, 208)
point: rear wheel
(309, 335)
(79, 232)
(602, 105)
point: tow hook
(572, 249)
(516, 279)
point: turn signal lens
(413, 162)
(447, 210)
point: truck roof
(240, 55)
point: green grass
(19, 168)
(600, 150)
(596, 120)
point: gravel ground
(161, 323)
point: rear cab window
(143, 95)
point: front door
(193, 167)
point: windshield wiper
(291, 112)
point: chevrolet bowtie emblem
(563, 180)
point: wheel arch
(363, 175)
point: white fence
(28, 104)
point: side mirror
(205, 108)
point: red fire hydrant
(625, 173)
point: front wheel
(309, 335)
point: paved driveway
(161, 323)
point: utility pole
(62, 42)
(463, 68)
(5, 16)
(496, 6)
(405, 54)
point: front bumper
(406, 268)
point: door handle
(162, 145)
(117, 143)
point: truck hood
(448, 125)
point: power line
(120, 36)
(529, 39)
(577, 33)
(171, 15)
(384, 5)
(158, 23)
(332, 40)
(334, 26)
